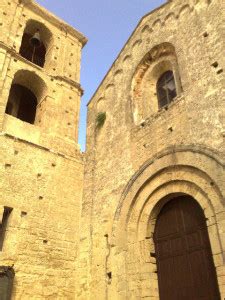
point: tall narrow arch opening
(22, 103)
(26, 93)
(35, 43)
(184, 259)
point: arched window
(166, 89)
(22, 103)
(36, 42)
(156, 82)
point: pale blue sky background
(107, 25)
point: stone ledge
(80, 156)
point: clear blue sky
(107, 25)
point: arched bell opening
(183, 252)
(35, 43)
(22, 104)
(26, 93)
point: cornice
(32, 5)
(70, 82)
(152, 12)
(16, 55)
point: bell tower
(41, 164)
(40, 75)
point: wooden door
(184, 259)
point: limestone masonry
(140, 214)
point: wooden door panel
(181, 272)
(164, 249)
(199, 273)
(176, 246)
(193, 241)
(183, 253)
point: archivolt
(193, 171)
(188, 170)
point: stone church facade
(141, 213)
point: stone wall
(44, 190)
(181, 147)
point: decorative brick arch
(192, 171)
(158, 60)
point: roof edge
(58, 22)
(146, 15)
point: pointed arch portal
(183, 253)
